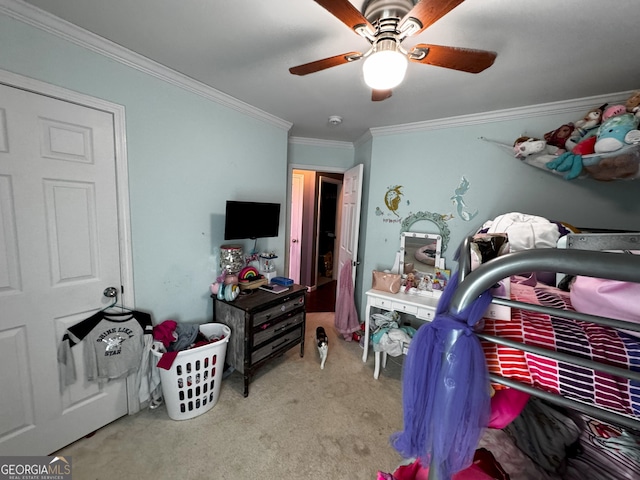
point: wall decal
(458, 201)
(392, 198)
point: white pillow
(525, 231)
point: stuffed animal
(586, 146)
(586, 127)
(613, 111)
(591, 119)
(567, 162)
(616, 132)
(622, 166)
(525, 147)
(559, 136)
(633, 104)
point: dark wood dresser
(263, 326)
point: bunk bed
(600, 264)
(608, 348)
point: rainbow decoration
(248, 274)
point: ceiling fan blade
(463, 59)
(427, 12)
(325, 63)
(379, 95)
(344, 11)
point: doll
(410, 282)
(559, 136)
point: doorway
(319, 218)
(328, 226)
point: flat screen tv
(251, 220)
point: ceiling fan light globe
(384, 70)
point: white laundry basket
(192, 386)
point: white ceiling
(548, 50)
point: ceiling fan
(386, 24)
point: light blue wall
(320, 154)
(430, 164)
(187, 155)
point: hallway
(323, 298)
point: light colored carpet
(298, 422)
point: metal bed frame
(582, 257)
(591, 263)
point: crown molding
(578, 105)
(42, 20)
(316, 142)
(364, 138)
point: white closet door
(59, 250)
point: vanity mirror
(420, 253)
(427, 221)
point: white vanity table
(420, 254)
(420, 305)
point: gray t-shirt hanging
(113, 349)
(113, 346)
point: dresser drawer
(426, 313)
(270, 329)
(401, 307)
(273, 312)
(290, 338)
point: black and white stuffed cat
(323, 345)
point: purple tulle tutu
(445, 388)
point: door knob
(110, 292)
(295, 240)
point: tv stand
(263, 325)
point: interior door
(295, 232)
(59, 250)
(350, 221)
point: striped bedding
(568, 336)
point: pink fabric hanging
(346, 319)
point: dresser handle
(283, 327)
